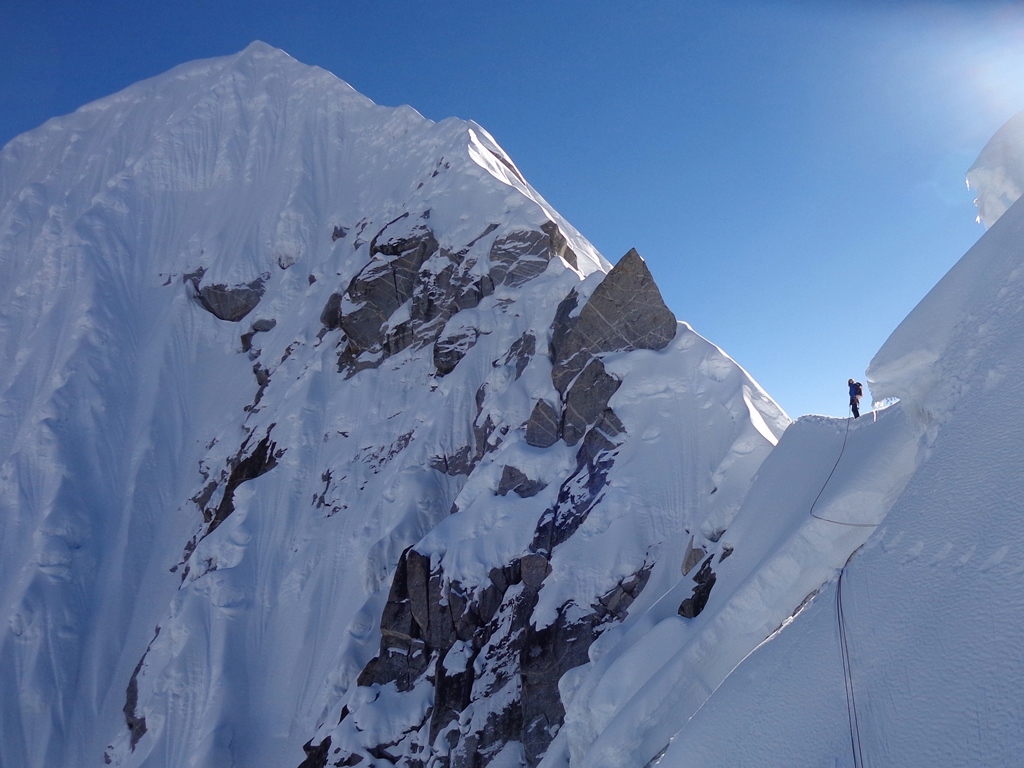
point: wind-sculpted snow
(273, 473)
(956, 333)
(997, 176)
(652, 674)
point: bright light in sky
(793, 172)
(976, 53)
(997, 69)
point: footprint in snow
(966, 556)
(942, 554)
(893, 542)
(995, 559)
(914, 552)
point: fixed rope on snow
(851, 700)
(838, 458)
(856, 747)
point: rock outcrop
(586, 399)
(494, 673)
(450, 349)
(515, 480)
(228, 303)
(544, 427)
(411, 287)
(247, 464)
(523, 255)
(704, 579)
(625, 312)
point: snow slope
(271, 349)
(932, 602)
(657, 675)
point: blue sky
(793, 172)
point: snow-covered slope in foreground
(933, 605)
(319, 427)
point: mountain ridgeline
(341, 434)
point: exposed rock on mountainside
(411, 287)
(486, 661)
(230, 303)
(471, 641)
(544, 426)
(705, 580)
(513, 479)
(625, 312)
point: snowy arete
(326, 441)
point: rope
(851, 700)
(827, 520)
(844, 646)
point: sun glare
(993, 61)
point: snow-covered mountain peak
(366, 426)
(227, 126)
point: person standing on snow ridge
(856, 390)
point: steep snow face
(932, 608)
(804, 515)
(932, 604)
(998, 173)
(954, 339)
(320, 427)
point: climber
(856, 390)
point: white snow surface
(121, 398)
(933, 602)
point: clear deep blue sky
(793, 172)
